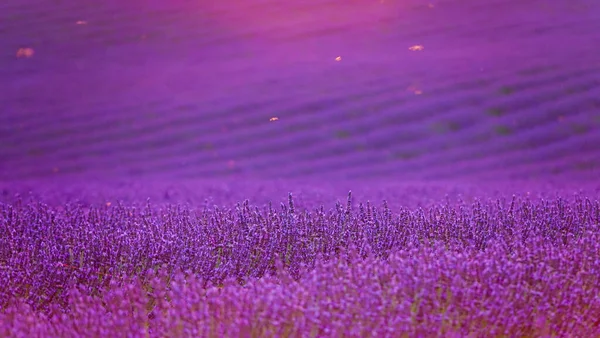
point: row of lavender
(511, 267)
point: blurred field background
(300, 90)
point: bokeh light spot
(25, 52)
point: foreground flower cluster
(493, 268)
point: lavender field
(325, 168)
(522, 266)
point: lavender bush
(493, 268)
